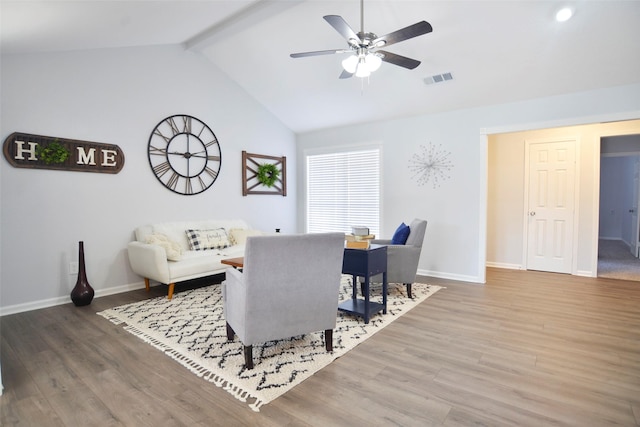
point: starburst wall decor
(431, 164)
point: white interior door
(550, 206)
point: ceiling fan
(365, 47)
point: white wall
(118, 96)
(456, 211)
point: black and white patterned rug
(190, 328)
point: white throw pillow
(200, 240)
(238, 236)
(173, 249)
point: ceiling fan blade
(345, 74)
(415, 30)
(318, 53)
(399, 60)
(341, 26)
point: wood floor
(526, 349)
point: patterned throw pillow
(200, 240)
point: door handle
(532, 213)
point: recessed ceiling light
(564, 14)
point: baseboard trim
(51, 302)
(505, 265)
(450, 276)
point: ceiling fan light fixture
(350, 64)
(373, 61)
(362, 69)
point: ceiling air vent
(438, 78)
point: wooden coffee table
(234, 262)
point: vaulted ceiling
(497, 51)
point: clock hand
(186, 155)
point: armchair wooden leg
(328, 339)
(408, 289)
(248, 356)
(146, 284)
(230, 333)
(172, 286)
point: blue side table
(365, 263)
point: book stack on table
(359, 238)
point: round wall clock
(184, 154)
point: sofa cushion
(215, 238)
(175, 231)
(173, 249)
(238, 236)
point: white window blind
(343, 190)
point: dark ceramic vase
(82, 293)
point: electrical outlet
(73, 267)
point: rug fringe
(199, 370)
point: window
(343, 190)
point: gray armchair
(402, 260)
(288, 286)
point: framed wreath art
(268, 174)
(263, 174)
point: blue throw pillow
(401, 235)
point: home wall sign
(263, 174)
(23, 150)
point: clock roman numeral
(213, 142)
(174, 127)
(173, 181)
(188, 188)
(160, 134)
(203, 186)
(211, 172)
(187, 124)
(202, 129)
(156, 151)
(161, 168)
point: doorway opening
(506, 237)
(619, 208)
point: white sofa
(165, 253)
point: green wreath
(54, 152)
(268, 174)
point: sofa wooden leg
(172, 286)
(146, 284)
(248, 356)
(328, 339)
(408, 290)
(230, 333)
